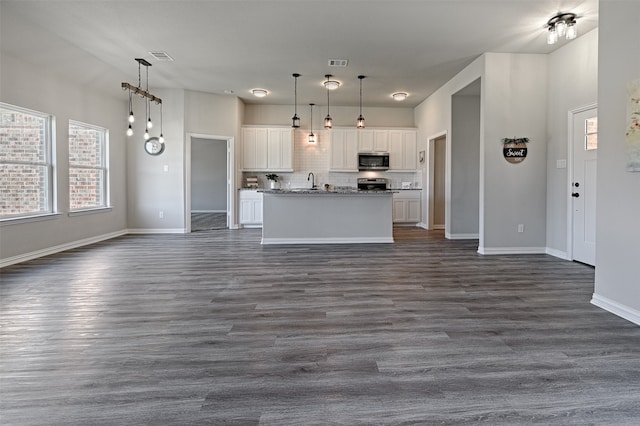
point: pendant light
(328, 121)
(295, 120)
(360, 122)
(161, 139)
(131, 117)
(312, 137)
(146, 112)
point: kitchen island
(327, 217)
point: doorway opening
(209, 198)
(437, 149)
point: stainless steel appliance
(373, 161)
(372, 184)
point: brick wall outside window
(25, 165)
(87, 166)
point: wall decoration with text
(633, 127)
(514, 150)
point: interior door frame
(570, 166)
(231, 178)
(428, 204)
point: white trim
(557, 253)
(157, 231)
(56, 249)
(422, 225)
(512, 250)
(616, 308)
(208, 211)
(363, 240)
(438, 226)
(96, 210)
(450, 236)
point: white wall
(155, 183)
(28, 86)
(465, 166)
(514, 105)
(617, 286)
(573, 74)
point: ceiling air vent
(161, 56)
(338, 62)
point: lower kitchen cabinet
(250, 209)
(407, 206)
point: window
(87, 166)
(26, 167)
(591, 133)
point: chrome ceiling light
(259, 93)
(331, 84)
(328, 121)
(360, 122)
(145, 94)
(312, 137)
(562, 25)
(295, 120)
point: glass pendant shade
(161, 138)
(360, 122)
(146, 135)
(552, 36)
(312, 137)
(149, 123)
(295, 121)
(561, 28)
(130, 131)
(572, 31)
(131, 117)
(328, 122)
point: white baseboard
(157, 231)
(557, 253)
(438, 226)
(57, 249)
(616, 308)
(512, 250)
(363, 240)
(422, 225)
(450, 236)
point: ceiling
(233, 46)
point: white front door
(583, 184)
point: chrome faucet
(312, 177)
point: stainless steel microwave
(373, 161)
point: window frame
(104, 167)
(50, 206)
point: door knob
(575, 194)
(576, 184)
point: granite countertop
(309, 191)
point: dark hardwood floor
(213, 328)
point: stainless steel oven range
(373, 184)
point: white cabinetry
(267, 149)
(250, 209)
(344, 153)
(407, 206)
(373, 140)
(403, 147)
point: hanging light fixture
(312, 137)
(161, 139)
(562, 25)
(146, 95)
(328, 121)
(360, 122)
(295, 120)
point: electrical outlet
(521, 227)
(161, 214)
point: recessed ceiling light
(259, 93)
(399, 96)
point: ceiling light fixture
(312, 137)
(360, 122)
(562, 25)
(328, 121)
(399, 96)
(259, 93)
(331, 84)
(295, 120)
(145, 94)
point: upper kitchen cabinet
(344, 153)
(403, 147)
(267, 149)
(373, 140)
